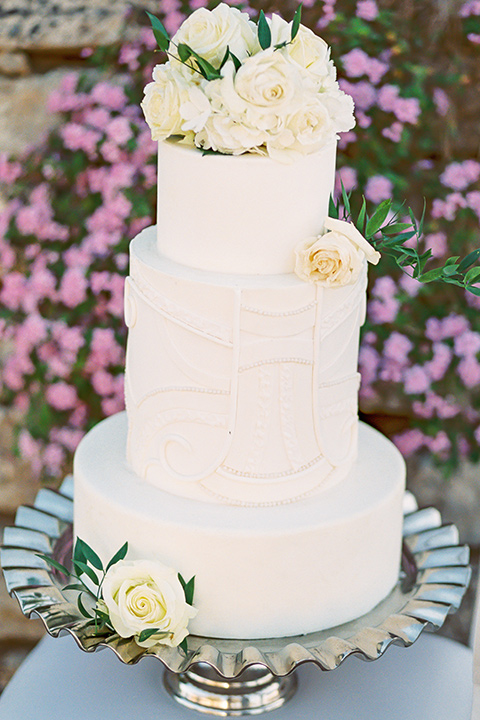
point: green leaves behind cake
(390, 236)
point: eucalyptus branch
(388, 234)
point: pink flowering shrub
(75, 201)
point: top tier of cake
(239, 215)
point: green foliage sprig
(86, 562)
(390, 238)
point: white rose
(209, 32)
(142, 595)
(340, 107)
(195, 109)
(312, 54)
(349, 230)
(161, 104)
(330, 259)
(226, 135)
(311, 126)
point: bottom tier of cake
(260, 571)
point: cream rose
(312, 54)
(142, 595)
(355, 236)
(210, 32)
(330, 259)
(310, 126)
(162, 101)
(269, 86)
(225, 135)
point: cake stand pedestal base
(255, 691)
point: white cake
(239, 463)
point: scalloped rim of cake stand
(432, 583)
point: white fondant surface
(260, 572)
(241, 214)
(239, 389)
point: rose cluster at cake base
(140, 599)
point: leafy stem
(386, 232)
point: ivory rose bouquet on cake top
(140, 599)
(232, 86)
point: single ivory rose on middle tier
(309, 128)
(226, 135)
(336, 258)
(142, 595)
(210, 32)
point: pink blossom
(102, 383)
(119, 130)
(108, 95)
(78, 137)
(383, 311)
(469, 371)
(9, 171)
(397, 347)
(459, 175)
(367, 10)
(409, 441)
(369, 361)
(477, 434)
(53, 458)
(473, 200)
(407, 110)
(73, 288)
(79, 416)
(363, 93)
(61, 396)
(129, 56)
(28, 447)
(468, 343)
(416, 380)
(440, 444)
(440, 98)
(394, 132)
(105, 350)
(112, 405)
(437, 243)
(471, 7)
(173, 21)
(13, 289)
(98, 118)
(439, 364)
(67, 437)
(474, 38)
(347, 176)
(358, 63)
(391, 371)
(454, 325)
(410, 285)
(378, 188)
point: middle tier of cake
(240, 389)
(259, 572)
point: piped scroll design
(293, 414)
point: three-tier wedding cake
(240, 458)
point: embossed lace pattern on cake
(239, 394)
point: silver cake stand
(242, 677)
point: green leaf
(82, 608)
(472, 275)
(395, 228)
(89, 554)
(188, 588)
(83, 568)
(145, 634)
(450, 270)
(378, 218)
(236, 61)
(53, 563)
(332, 208)
(474, 290)
(161, 35)
(264, 32)
(452, 260)
(296, 22)
(362, 214)
(206, 68)
(346, 200)
(78, 586)
(431, 275)
(119, 555)
(469, 260)
(183, 646)
(184, 52)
